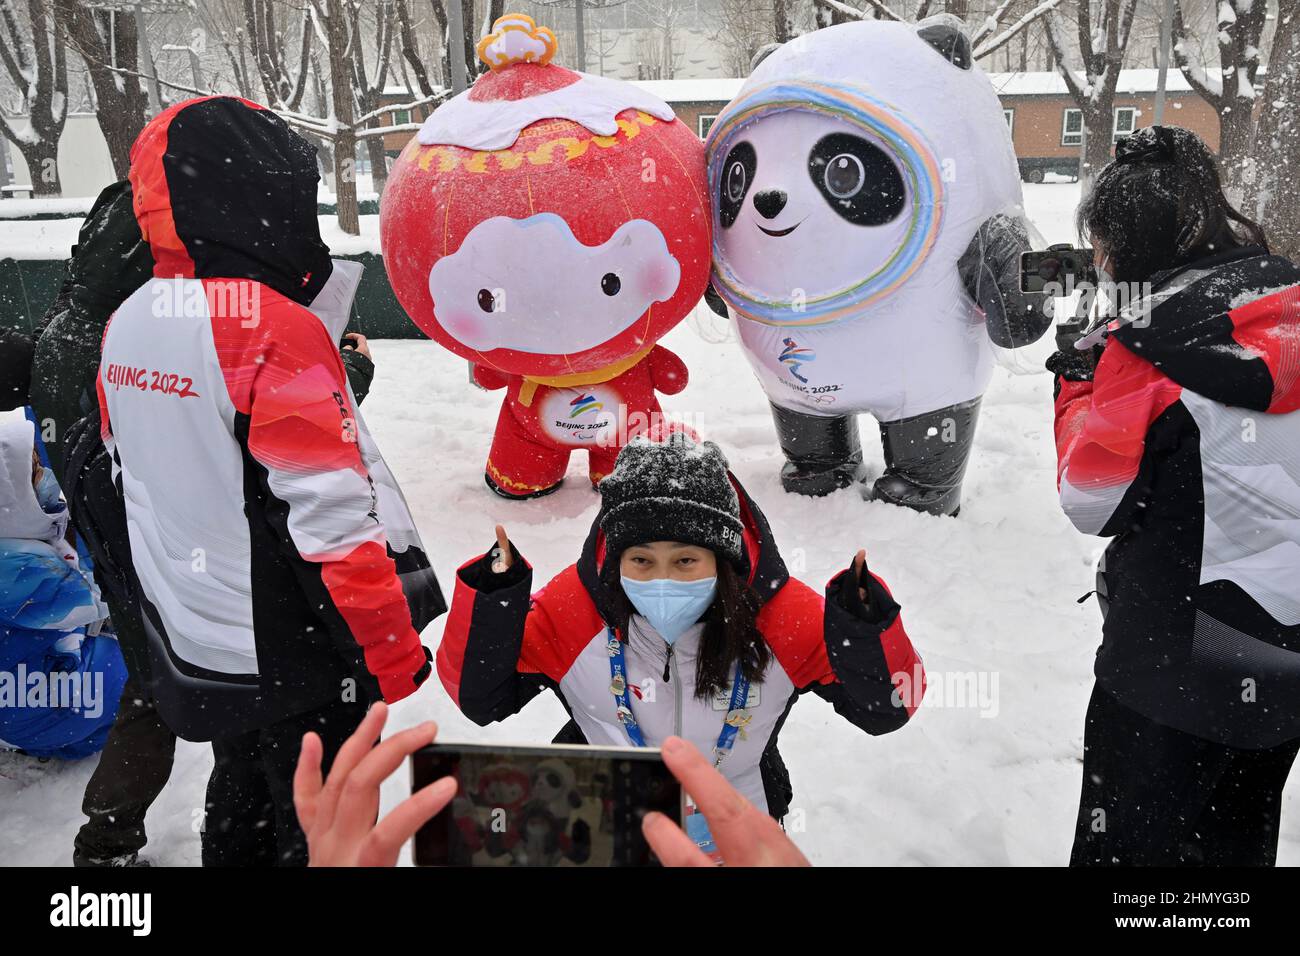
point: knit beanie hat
(671, 490)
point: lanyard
(734, 722)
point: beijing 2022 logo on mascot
(551, 226)
(867, 240)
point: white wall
(84, 164)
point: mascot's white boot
(867, 238)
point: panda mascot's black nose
(769, 203)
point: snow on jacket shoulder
(276, 556)
(502, 646)
(1185, 446)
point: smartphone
(1063, 265)
(553, 805)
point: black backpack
(99, 515)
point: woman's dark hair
(1160, 205)
(730, 631)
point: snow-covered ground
(988, 598)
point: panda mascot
(867, 238)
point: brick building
(1046, 126)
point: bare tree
(105, 39)
(656, 46)
(335, 124)
(1232, 93)
(1101, 38)
(473, 29)
(283, 86)
(987, 37)
(369, 86)
(36, 60)
(410, 48)
(782, 21)
(1275, 161)
(341, 106)
(742, 32)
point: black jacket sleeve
(360, 371)
(860, 641)
(15, 368)
(482, 643)
(856, 656)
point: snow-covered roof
(707, 90)
(1046, 83)
(1052, 84)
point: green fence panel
(28, 286)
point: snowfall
(986, 773)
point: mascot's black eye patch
(857, 179)
(737, 175)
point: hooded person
(679, 618)
(281, 581)
(59, 687)
(109, 262)
(1182, 444)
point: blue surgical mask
(47, 492)
(671, 606)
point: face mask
(47, 491)
(671, 606)
(1101, 308)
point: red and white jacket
(502, 646)
(1185, 446)
(271, 544)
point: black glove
(1073, 365)
(879, 608)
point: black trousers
(250, 818)
(1155, 796)
(132, 771)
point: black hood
(223, 188)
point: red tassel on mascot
(551, 227)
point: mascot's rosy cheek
(551, 227)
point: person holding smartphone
(1179, 437)
(339, 809)
(679, 619)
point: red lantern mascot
(551, 227)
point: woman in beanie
(679, 618)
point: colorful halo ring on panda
(913, 157)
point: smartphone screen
(1065, 267)
(556, 805)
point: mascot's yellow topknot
(516, 38)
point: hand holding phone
(744, 834)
